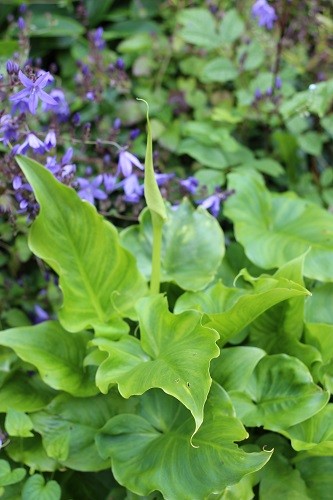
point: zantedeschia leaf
(174, 354)
(152, 450)
(58, 355)
(69, 426)
(192, 247)
(231, 309)
(98, 277)
(279, 393)
(276, 228)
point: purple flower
(8, 129)
(12, 67)
(212, 203)
(89, 189)
(278, 82)
(109, 182)
(52, 165)
(257, 94)
(99, 43)
(59, 107)
(162, 179)
(265, 13)
(132, 189)
(33, 91)
(31, 141)
(17, 182)
(21, 23)
(40, 314)
(190, 185)
(125, 163)
(50, 139)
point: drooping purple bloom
(134, 134)
(265, 14)
(89, 189)
(33, 91)
(8, 129)
(50, 139)
(190, 184)
(132, 188)
(17, 182)
(212, 203)
(12, 67)
(31, 141)
(278, 82)
(125, 163)
(109, 182)
(21, 23)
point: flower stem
(157, 223)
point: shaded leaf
(8, 476)
(35, 488)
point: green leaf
(279, 393)
(206, 155)
(318, 307)
(311, 142)
(317, 474)
(314, 435)
(24, 392)
(174, 354)
(58, 355)
(188, 256)
(158, 439)
(30, 451)
(276, 228)
(18, 423)
(231, 27)
(281, 480)
(279, 330)
(68, 428)
(199, 28)
(8, 476)
(53, 25)
(8, 48)
(35, 488)
(229, 310)
(218, 70)
(98, 277)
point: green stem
(157, 222)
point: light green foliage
(187, 257)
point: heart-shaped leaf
(152, 450)
(35, 488)
(276, 228)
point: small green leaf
(158, 439)
(8, 476)
(58, 355)
(98, 277)
(30, 452)
(18, 423)
(35, 488)
(174, 354)
(53, 25)
(199, 28)
(218, 70)
(188, 256)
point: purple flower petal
(25, 80)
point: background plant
(241, 122)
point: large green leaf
(98, 277)
(317, 474)
(314, 435)
(69, 426)
(174, 354)
(278, 394)
(152, 450)
(276, 228)
(231, 309)
(188, 256)
(58, 355)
